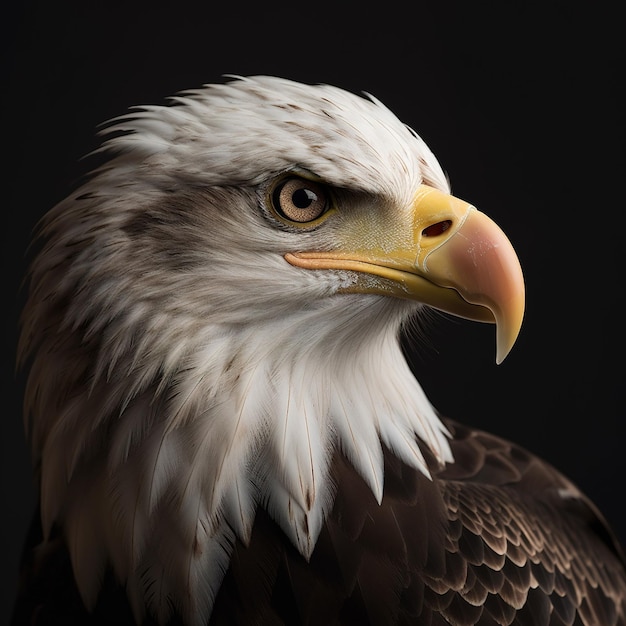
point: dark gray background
(519, 102)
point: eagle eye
(300, 200)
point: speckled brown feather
(499, 537)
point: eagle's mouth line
(334, 261)
(401, 283)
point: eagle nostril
(437, 229)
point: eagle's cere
(221, 419)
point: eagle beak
(450, 256)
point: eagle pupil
(303, 198)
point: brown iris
(300, 200)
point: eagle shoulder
(498, 537)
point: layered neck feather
(169, 473)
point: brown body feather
(499, 537)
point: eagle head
(214, 315)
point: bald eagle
(223, 427)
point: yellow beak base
(456, 259)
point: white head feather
(183, 373)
